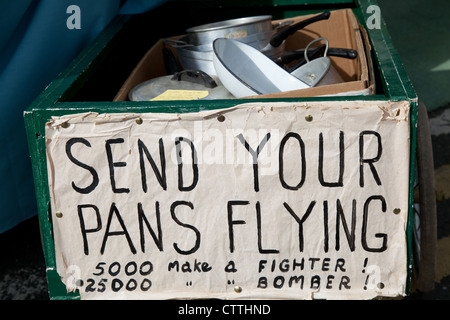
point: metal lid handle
(195, 76)
(316, 40)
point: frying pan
(245, 71)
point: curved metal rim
(218, 56)
(229, 23)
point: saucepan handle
(278, 38)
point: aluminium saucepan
(245, 71)
(200, 57)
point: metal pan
(184, 85)
(200, 57)
(230, 29)
(319, 71)
(245, 71)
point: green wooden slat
(396, 81)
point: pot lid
(184, 85)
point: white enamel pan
(245, 71)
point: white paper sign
(262, 200)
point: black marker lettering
(85, 231)
(281, 162)
(113, 165)
(350, 234)
(143, 219)
(325, 226)
(383, 236)
(254, 155)
(370, 162)
(340, 182)
(197, 233)
(300, 221)
(160, 174)
(181, 186)
(232, 222)
(94, 174)
(115, 212)
(258, 220)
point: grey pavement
(22, 267)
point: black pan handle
(342, 53)
(290, 56)
(278, 39)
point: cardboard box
(342, 31)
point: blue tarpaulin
(38, 39)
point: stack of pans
(195, 50)
(240, 57)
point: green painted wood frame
(55, 100)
